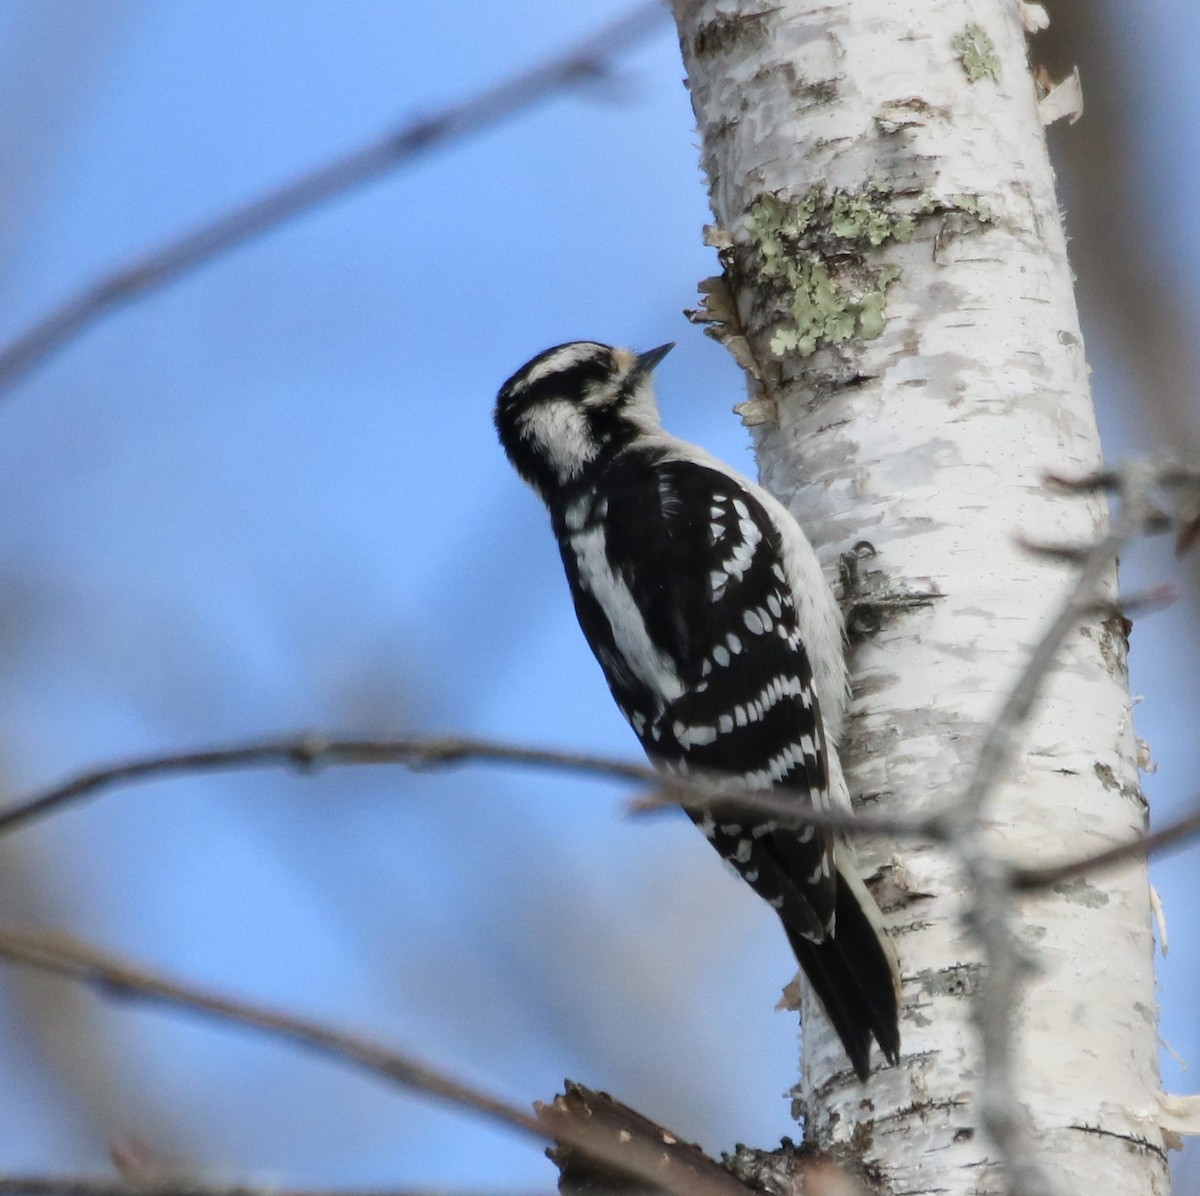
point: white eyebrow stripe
(558, 360)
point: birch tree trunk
(892, 244)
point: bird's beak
(648, 360)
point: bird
(722, 644)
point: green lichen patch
(978, 53)
(961, 202)
(811, 253)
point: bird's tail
(855, 974)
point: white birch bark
(920, 412)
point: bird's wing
(721, 680)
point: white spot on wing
(800, 573)
(780, 765)
(774, 692)
(740, 558)
(693, 736)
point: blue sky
(269, 498)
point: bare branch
(990, 915)
(639, 1157)
(586, 62)
(1174, 475)
(67, 956)
(790, 806)
(307, 753)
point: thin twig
(589, 60)
(990, 882)
(307, 753)
(1136, 480)
(67, 956)
(641, 1158)
(990, 915)
(790, 806)
(1175, 833)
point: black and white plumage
(721, 641)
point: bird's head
(572, 407)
